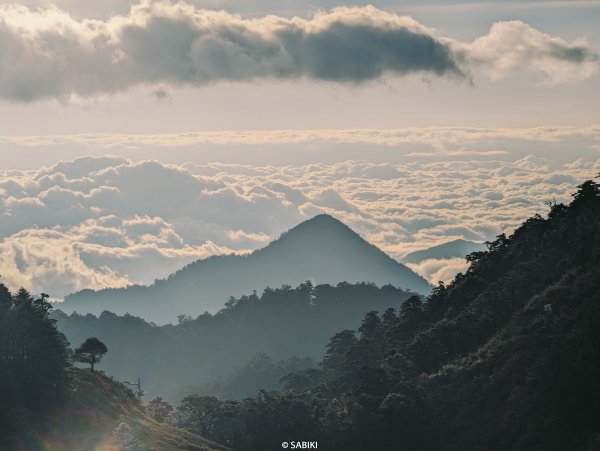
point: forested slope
(506, 357)
(280, 323)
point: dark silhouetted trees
(506, 356)
(280, 322)
(33, 361)
(91, 352)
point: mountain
(322, 250)
(280, 323)
(505, 357)
(451, 249)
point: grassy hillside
(101, 414)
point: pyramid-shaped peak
(321, 236)
(320, 225)
(323, 219)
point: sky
(138, 137)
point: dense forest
(281, 323)
(33, 362)
(506, 357)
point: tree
(91, 351)
(160, 410)
(411, 309)
(389, 317)
(197, 413)
(370, 325)
(33, 361)
(587, 192)
(337, 348)
(5, 299)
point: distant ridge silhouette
(321, 249)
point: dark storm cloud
(47, 53)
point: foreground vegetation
(100, 413)
(48, 405)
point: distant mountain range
(322, 250)
(451, 249)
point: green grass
(95, 407)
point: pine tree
(91, 352)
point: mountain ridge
(321, 249)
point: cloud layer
(109, 221)
(47, 53)
(443, 140)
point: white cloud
(48, 259)
(439, 269)
(445, 141)
(515, 45)
(96, 222)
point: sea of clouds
(101, 221)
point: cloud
(330, 198)
(109, 221)
(48, 54)
(439, 269)
(42, 259)
(112, 222)
(442, 141)
(106, 8)
(515, 45)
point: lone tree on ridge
(91, 351)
